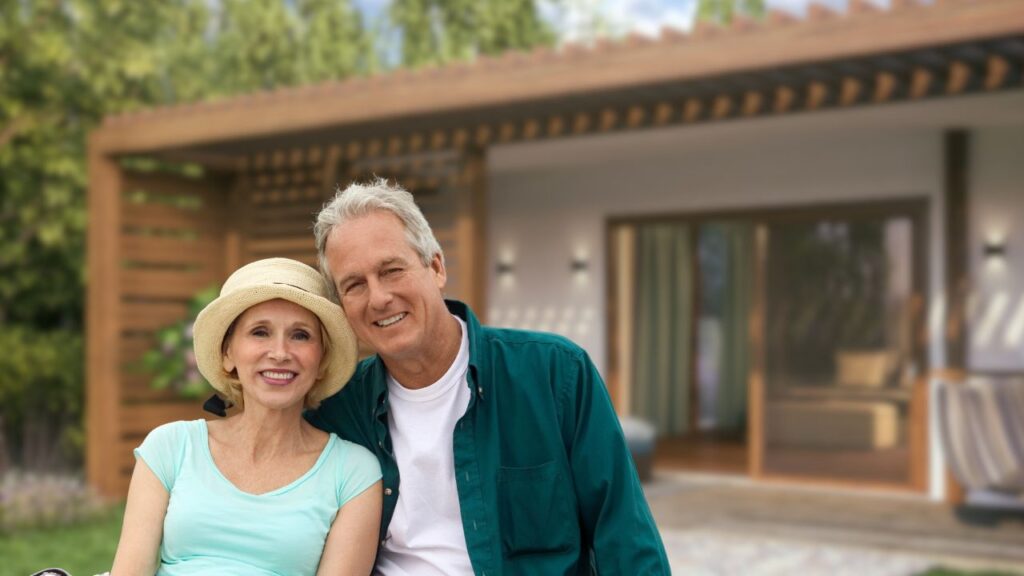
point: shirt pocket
(535, 510)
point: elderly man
(500, 450)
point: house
(767, 237)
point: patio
(714, 524)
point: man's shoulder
(529, 342)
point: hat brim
(213, 322)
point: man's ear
(440, 274)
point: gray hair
(362, 199)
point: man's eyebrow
(382, 264)
(390, 261)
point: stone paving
(726, 525)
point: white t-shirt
(425, 536)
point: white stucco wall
(996, 213)
(551, 201)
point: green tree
(64, 65)
(439, 31)
(723, 11)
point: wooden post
(471, 231)
(102, 320)
(956, 256)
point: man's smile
(390, 320)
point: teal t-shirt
(212, 527)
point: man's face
(392, 300)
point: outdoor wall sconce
(578, 264)
(994, 249)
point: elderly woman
(262, 491)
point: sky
(572, 18)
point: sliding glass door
(841, 302)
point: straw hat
(265, 280)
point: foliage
(438, 31)
(82, 549)
(64, 65)
(723, 11)
(40, 397)
(173, 362)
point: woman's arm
(143, 528)
(351, 545)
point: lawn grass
(84, 549)
(950, 572)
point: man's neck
(422, 370)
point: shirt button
(480, 390)
(382, 542)
(387, 491)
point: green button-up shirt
(546, 483)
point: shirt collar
(377, 372)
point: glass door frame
(915, 208)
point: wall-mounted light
(994, 249)
(579, 264)
(504, 268)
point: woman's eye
(301, 335)
(259, 332)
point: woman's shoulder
(348, 455)
(176, 431)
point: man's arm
(617, 522)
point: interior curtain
(663, 317)
(734, 362)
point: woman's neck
(263, 434)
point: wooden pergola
(270, 159)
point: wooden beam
(885, 86)
(581, 123)
(784, 98)
(850, 91)
(959, 76)
(817, 93)
(635, 116)
(692, 109)
(556, 126)
(102, 322)
(997, 69)
(753, 103)
(531, 129)
(506, 132)
(609, 119)
(721, 107)
(483, 135)
(662, 113)
(920, 82)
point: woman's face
(276, 348)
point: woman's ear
(227, 364)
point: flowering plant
(33, 500)
(173, 362)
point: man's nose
(380, 296)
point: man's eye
(352, 287)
